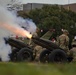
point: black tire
(25, 55)
(44, 55)
(13, 55)
(58, 56)
(69, 58)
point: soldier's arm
(71, 53)
(67, 40)
(35, 35)
(58, 41)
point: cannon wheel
(25, 55)
(70, 58)
(13, 55)
(44, 56)
(58, 56)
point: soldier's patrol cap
(65, 31)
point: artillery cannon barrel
(16, 43)
(45, 43)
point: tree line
(53, 17)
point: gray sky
(50, 1)
(4, 2)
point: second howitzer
(45, 43)
(51, 52)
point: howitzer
(45, 43)
(21, 51)
(52, 53)
(16, 43)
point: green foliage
(23, 14)
(53, 17)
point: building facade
(71, 7)
(31, 6)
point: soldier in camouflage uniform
(37, 48)
(73, 50)
(74, 41)
(31, 43)
(63, 40)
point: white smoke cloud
(11, 24)
(28, 24)
(4, 49)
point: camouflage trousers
(74, 53)
(38, 51)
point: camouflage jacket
(63, 41)
(73, 42)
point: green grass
(37, 69)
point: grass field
(9, 68)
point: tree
(54, 17)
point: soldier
(37, 48)
(74, 41)
(73, 50)
(63, 40)
(31, 43)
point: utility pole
(68, 5)
(31, 6)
